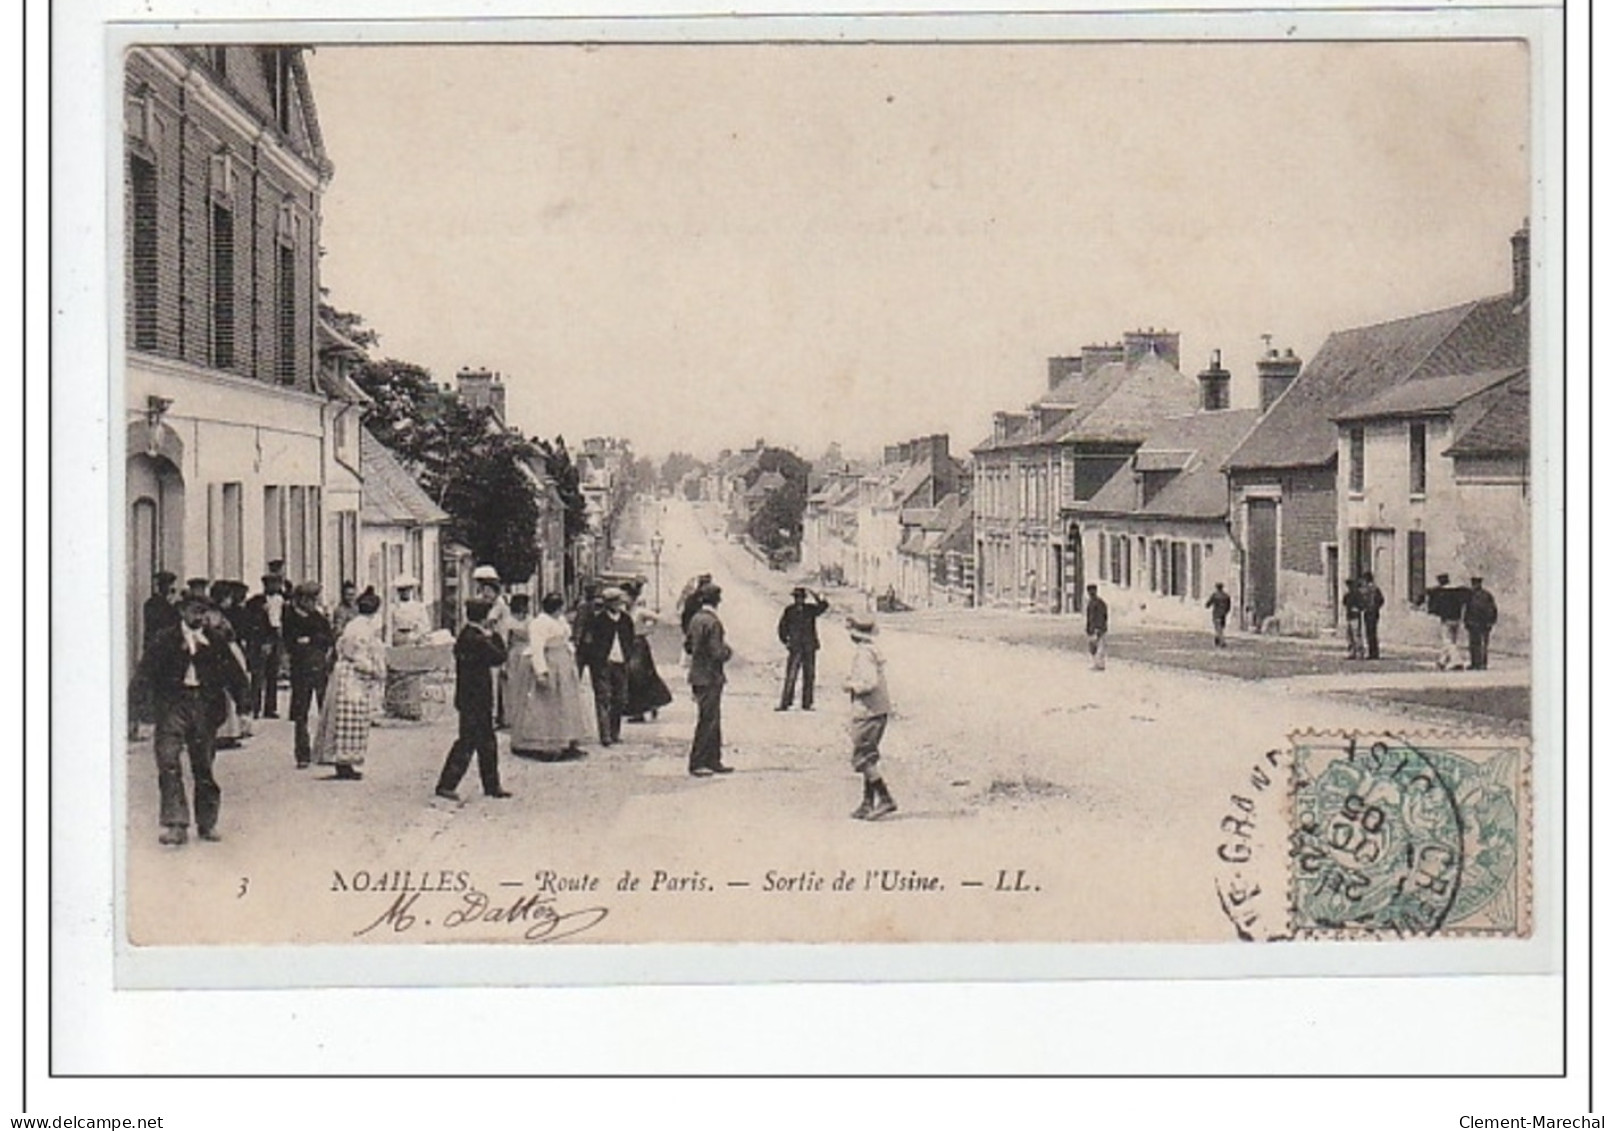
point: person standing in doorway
(1098, 626)
(799, 632)
(871, 708)
(1480, 614)
(708, 655)
(1219, 603)
(477, 652)
(309, 640)
(1373, 601)
(190, 671)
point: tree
(348, 324)
(777, 522)
(675, 467)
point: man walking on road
(1373, 601)
(1219, 603)
(189, 669)
(265, 649)
(1098, 626)
(708, 655)
(871, 708)
(799, 632)
(1480, 614)
(477, 652)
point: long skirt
(646, 691)
(344, 731)
(548, 715)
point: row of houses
(899, 528)
(1402, 449)
(244, 440)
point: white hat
(405, 581)
(485, 573)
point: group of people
(1470, 611)
(211, 662)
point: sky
(695, 247)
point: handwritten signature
(535, 916)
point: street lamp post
(656, 560)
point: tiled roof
(1503, 428)
(1144, 394)
(1356, 365)
(1192, 449)
(961, 532)
(1428, 394)
(390, 495)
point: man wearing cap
(799, 632)
(309, 640)
(477, 651)
(264, 648)
(157, 613)
(1445, 602)
(871, 707)
(708, 654)
(1480, 614)
(190, 670)
(607, 643)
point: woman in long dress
(411, 625)
(361, 667)
(548, 720)
(647, 694)
(518, 663)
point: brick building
(1098, 407)
(1294, 500)
(230, 461)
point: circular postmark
(1378, 840)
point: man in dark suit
(1373, 601)
(607, 643)
(708, 654)
(157, 613)
(799, 632)
(265, 647)
(1480, 615)
(190, 669)
(309, 641)
(477, 651)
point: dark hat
(307, 589)
(1443, 578)
(799, 591)
(277, 567)
(1368, 575)
(1475, 580)
(191, 597)
(709, 593)
(164, 577)
(1093, 588)
(196, 583)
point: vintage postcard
(584, 494)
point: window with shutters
(222, 261)
(143, 252)
(1355, 461)
(1416, 577)
(1417, 462)
(285, 315)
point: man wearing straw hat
(871, 707)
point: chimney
(893, 453)
(1522, 262)
(1093, 356)
(1274, 373)
(1139, 344)
(1000, 427)
(478, 388)
(1062, 367)
(1214, 383)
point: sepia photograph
(781, 492)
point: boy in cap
(477, 651)
(871, 707)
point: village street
(1039, 800)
